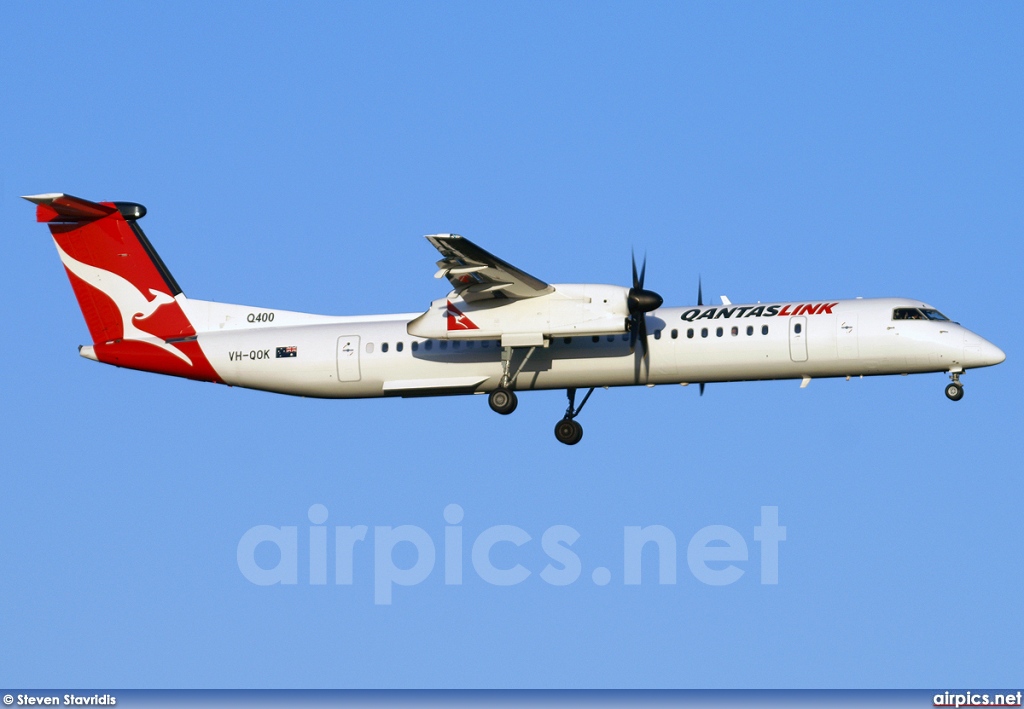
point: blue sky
(292, 156)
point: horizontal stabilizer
(59, 207)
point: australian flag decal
(287, 352)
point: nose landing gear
(954, 390)
(568, 430)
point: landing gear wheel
(954, 391)
(503, 401)
(568, 431)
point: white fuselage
(372, 356)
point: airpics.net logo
(716, 555)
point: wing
(477, 274)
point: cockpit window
(907, 314)
(932, 314)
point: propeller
(640, 302)
(700, 301)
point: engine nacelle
(571, 309)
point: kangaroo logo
(458, 321)
(130, 301)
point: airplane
(498, 331)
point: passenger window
(567, 340)
(703, 332)
(595, 338)
(735, 331)
(611, 338)
(369, 348)
(797, 328)
(689, 333)
(764, 329)
(383, 347)
(455, 345)
(657, 334)
(718, 332)
(428, 345)
(750, 329)
(469, 345)
(415, 346)
(485, 343)
(675, 334)
(625, 336)
(444, 344)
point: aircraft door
(798, 339)
(348, 358)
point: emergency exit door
(798, 339)
(348, 358)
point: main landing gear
(954, 390)
(568, 430)
(503, 400)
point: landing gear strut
(568, 430)
(503, 400)
(954, 390)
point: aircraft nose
(992, 354)
(979, 352)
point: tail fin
(131, 303)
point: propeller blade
(640, 302)
(700, 300)
(643, 333)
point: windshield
(918, 314)
(907, 314)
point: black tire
(503, 401)
(954, 391)
(579, 433)
(568, 431)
